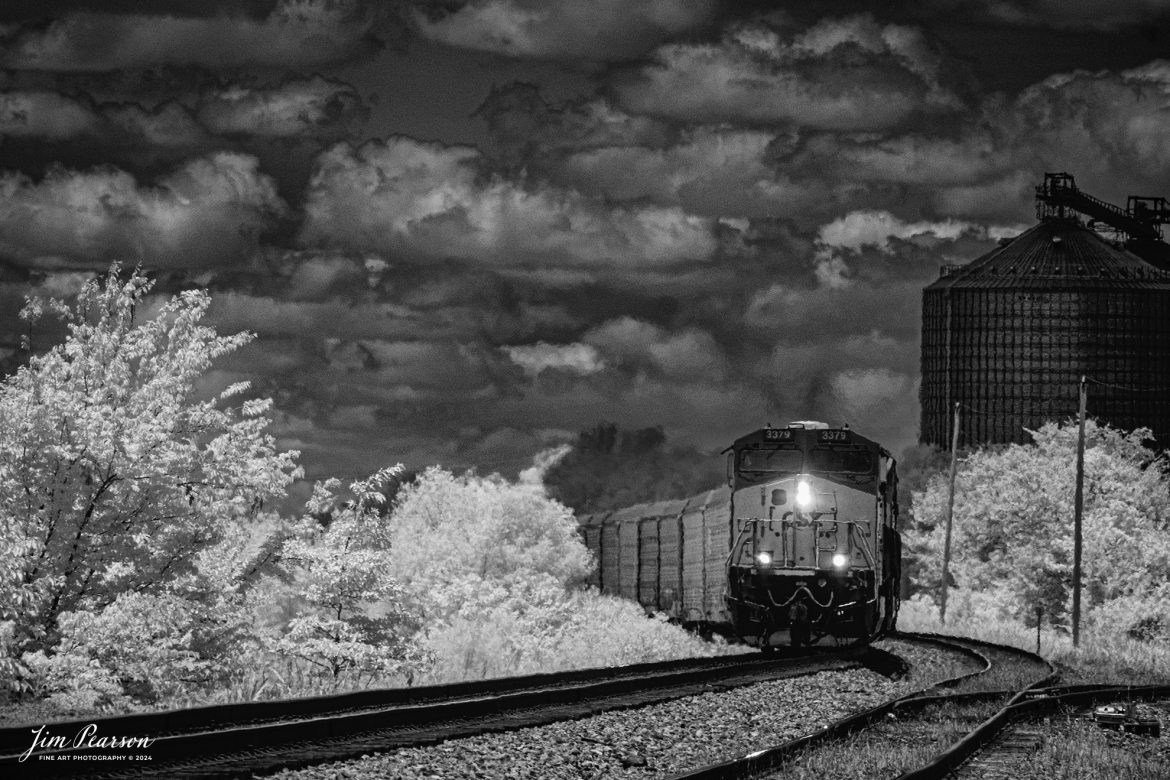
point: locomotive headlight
(840, 560)
(764, 558)
(804, 497)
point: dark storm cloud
(294, 108)
(728, 224)
(296, 33)
(1083, 14)
(840, 74)
(1108, 127)
(602, 30)
(18, 10)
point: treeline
(141, 561)
(1012, 534)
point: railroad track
(1003, 745)
(236, 740)
(1003, 674)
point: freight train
(801, 545)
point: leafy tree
(1013, 528)
(466, 544)
(609, 468)
(114, 476)
(353, 618)
(495, 568)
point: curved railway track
(1002, 745)
(234, 740)
(1001, 671)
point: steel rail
(391, 719)
(205, 718)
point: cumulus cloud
(402, 195)
(296, 108)
(709, 170)
(524, 125)
(689, 355)
(208, 212)
(44, 114)
(602, 30)
(578, 358)
(1110, 124)
(914, 158)
(875, 228)
(846, 74)
(296, 32)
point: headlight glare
(804, 496)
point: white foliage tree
(353, 619)
(1013, 528)
(115, 476)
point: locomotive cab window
(841, 460)
(771, 461)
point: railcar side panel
(694, 582)
(669, 560)
(648, 561)
(717, 532)
(627, 522)
(610, 557)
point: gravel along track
(506, 704)
(658, 740)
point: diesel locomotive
(802, 544)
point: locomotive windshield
(771, 461)
(837, 460)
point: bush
(153, 646)
(567, 630)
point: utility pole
(1078, 512)
(942, 610)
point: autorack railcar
(809, 515)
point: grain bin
(1009, 335)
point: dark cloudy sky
(465, 230)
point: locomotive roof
(805, 431)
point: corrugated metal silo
(1010, 334)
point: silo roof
(1056, 253)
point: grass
(892, 747)
(1075, 749)
(1099, 657)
